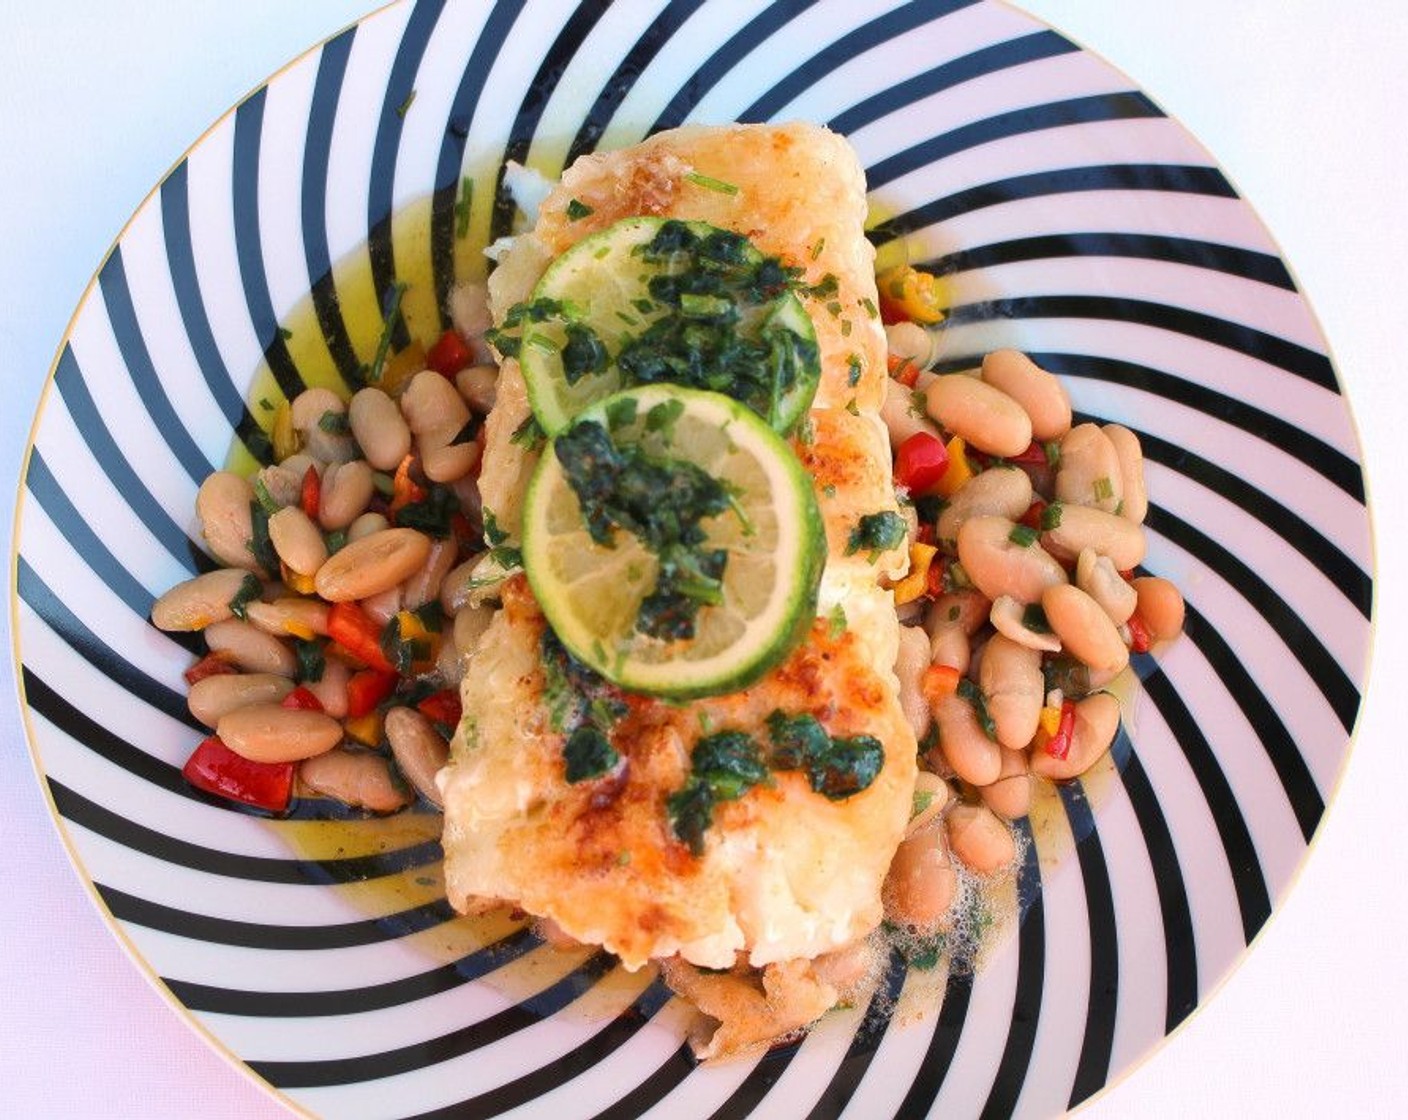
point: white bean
(308, 411)
(901, 416)
(420, 751)
(273, 733)
(1131, 457)
(194, 604)
(456, 586)
(1089, 472)
(974, 757)
(346, 490)
(1040, 393)
(1105, 533)
(1010, 796)
(980, 840)
(331, 687)
(1004, 491)
(372, 564)
(986, 417)
(1097, 720)
(290, 616)
(380, 428)
(223, 508)
(1161, 607)
(250, 648)
(999, 565)
(357, 778)
(912, 660)
(425, 584)
(297, 540)
(212, 697)
(909, 342)
(470, 624)
(1008, 618)
(366, 525)
(1012, 685)
(1096, 576)
(1084, 628)
(479, 386)
(921, 884)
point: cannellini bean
(910, 663)
(901, 416)
(1040, 393)
(366, 525)
(211, 698)
(251, 648)
(974, 757)
(987, 418)
(1161, 607)
(1131, 457)
(272, 733)
(307, 411)
(420, 751)
(966, 608)
(331, 687)
(1089, 472)
(381, 606)
(950, 646)
(380, 428)
(357, 778)
(297, 540)
(434, 409)
(456, 586)
(222, 505)
(451, 461)
(1097, 720)
(347, 488)
(470, 624)
(1105, 533)
(931, 794)
(469, 310)
(921, 883)
(1008, 617)
(1004, 491)
(1084, 628)
(846, 969)
(1012, 684)
(194, 604)
(290, 616)
(998, 565)
(1096, 576)
(372, 564)
(450, 662)
(1010, 796)
(283, 483)
(424, 585)
(479, 386)
(910, 342)
(980, 840)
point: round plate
(1074, 220)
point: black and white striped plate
(1078, 223)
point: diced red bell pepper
(302, 699)
(311, 493)
(368, 688)
(442, 707)
(1139, 641)
(449, 355)
(404, 488)
(903, 370)
(1059, 745)
(906, 294)
(934, 577)
(1032, 518)
(1033, 456)
(216, 769)
(211, 665)
(920, 463)
(358, 633)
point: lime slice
(673, 541)
(652, 300)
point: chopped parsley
(876, 532)
(311, 661)
(335, 423)
(1051, 517)
(836, 767)
(1034, 619)
(662, 502)
(1023, 536)
(974, 695)
(285, 333)
(577, 210)
(583, 353)
(588, 753)
(529, 434)
(250, 589)
(432, 514)
(723, 767)
(854, 367)
(261, 545)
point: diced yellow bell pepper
(1050, 720)
(907, 293)
(960, 470)
(365, 729)
(285, 437)
(914, 585)
(400, 367)
(303, 585)
(412, 629)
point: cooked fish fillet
(786, 873)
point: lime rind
(590, 592)
(603, 283)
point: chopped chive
(1104, 489)
(870, 308)
(391, 313)
(708, 182)
(266, 404)
(1022, 535)
(462, 207)
(1051, 517)
(405, 106)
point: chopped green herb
(1052, 449)
(836, 621)
(1023, 536)
(845, 328)
(929, 740)
(922, 800)
(431, 616)
(834, 307)
(470, 432)
(250, 589)
(285, 333)
(1051, 517)
(870, 308)
(724, 766)
(877, 532)
(583, 353)
(335, 423)
(1104, 489)
(854, 368)
(806, 432)
(829, 490)
(623, 858)
(336, 540)
(266, 500)
(402, 652)
(311, 662)
(391, 312)
(691, 811)
(577, 210)
(405, 106)
(529, 434)
(818, 247)
(974, 695)
(588, 754)
(266, 404)
(433, 514)
(492, 533)
(852, 407)
(824, 288)
(708, 182)
(918, 403)
(662, 417)
(383, 484)
(462, 207)
(837, 768)
(261, 545)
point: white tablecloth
(1302, 101)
